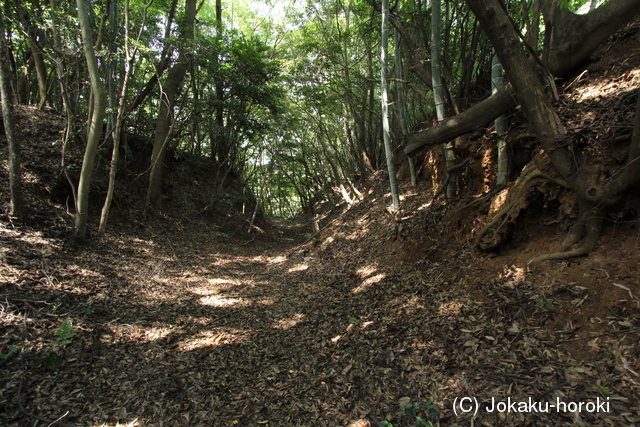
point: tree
(438, 92)
(497, 84)
(168, 93)
(33, 35)
(582, 35)
(577, 171)
(388, 148)
(97, 114)
(15, 182)
(402, 107)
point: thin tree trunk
(438, 92)
(36, 54)
(99, 104)
(119, 124)
(15, 181)
(402, 108)
(388, 148)
(168, 93)
(497, 84)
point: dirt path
(186, 327)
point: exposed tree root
(593, 228)
(494, 231)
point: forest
(319, 213)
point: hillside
(180, 318)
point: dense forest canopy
(284, 97)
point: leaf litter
(374, 323)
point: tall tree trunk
(98, 108)
(528, 87)
(402, 108)
(416, 52)
(169, 89)
(438, 93)
(388, 148)
(15, 181)
(560, 63)
(36, 54)
(119, 123)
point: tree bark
(535, 103)
(475, 118)
(99, 104)
(36, 54)
(576, 37)
(168, 93)
(566, 56)
(15, 182)
(385, 108)
(416, 52)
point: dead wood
(568, 52)
(476, 117)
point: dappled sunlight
(216, 285)
(288, 322)
(136, 332)
(367, 271)
(369, 282)
(498, 201)
(335, 339)
(511, 276)
(298, 267)
(214, 338)
(425, 206)
(267, 301)
(366, 324)
(222, 301)
(277, 259)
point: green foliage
(12, 349)
(64, 333)
(572, 5)
(547, 305)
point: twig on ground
(39, 418)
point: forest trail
(189, 326)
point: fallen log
(582, 35)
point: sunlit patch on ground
(215, 337)
(288, 322)
(366, 271)
(212, 286)
(278, 260)
(299, 267)
(369, 282)
(221, 301)
(133, 332)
